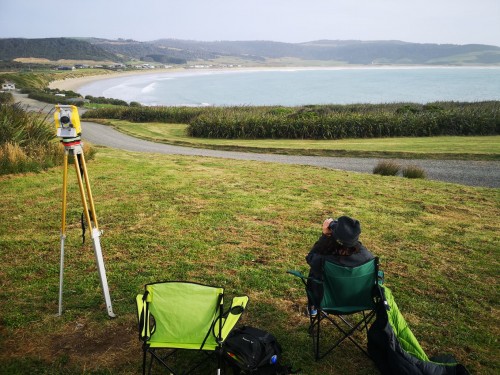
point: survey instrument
(69, 130)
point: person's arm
(314, 258)
(315, 262)
(326, 227)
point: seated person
(338, 244)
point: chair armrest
(381, 277)
(297, 274)
(231, 317)
(302, 277)
(141, 316)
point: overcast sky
(421, 21)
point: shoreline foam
(76, 83)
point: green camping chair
(183, 315)
(347, 303)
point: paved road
(473, 173)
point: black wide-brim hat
(347, 231)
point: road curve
(472, 173)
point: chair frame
(219, 321)
(339, 319)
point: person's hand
(327, 231)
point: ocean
(302, 86)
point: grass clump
(6, 98)
(387, 168)
(413, 171)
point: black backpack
(254, 351)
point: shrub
(16, 159)
(103, 100)
(413, 171)
(28, 142)
(6, 98)
(387, 168)
(48, 97)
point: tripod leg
(89, 191)
(102, 271)
(95, 233)
(63, 230)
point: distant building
(66, 68)
(117, 66)
(7, 86)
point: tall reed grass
(322, 121)
(28, 142)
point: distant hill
(52, 49)
(349, 52)
(175, 51)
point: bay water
(302, 86)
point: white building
(7, 86)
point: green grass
(240, 225)
(445, 147)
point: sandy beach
(75, 83)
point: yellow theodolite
(69, 130)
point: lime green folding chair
(175, 315)
(347, 302)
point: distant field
(39, 60)
(468, 148)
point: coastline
(115, 89)
(74, 84)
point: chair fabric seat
(177, 315)
(346, 302)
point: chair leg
(219, 359)
(315, 332)
(347, 333)
(144, 356)
(151, 363)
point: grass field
(239, 225)
(467, 148)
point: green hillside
(53, 49)
(175, 51)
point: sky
(294, 21)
